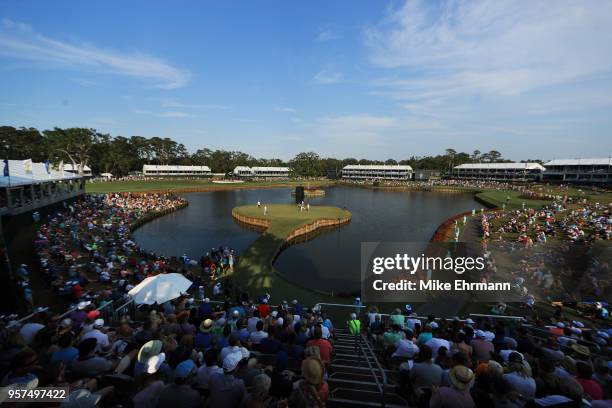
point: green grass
(496, 198)
(184, 185)
(255, 271)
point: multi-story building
(499, 171)
(175, 171)
(255, 172)
(376, 172)
(598, 171)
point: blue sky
(347, 79)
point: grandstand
(376, 172)
(499, 171)
(597, 171)
(261, 172)
(29, 186)
(71, 168)
(154, 170)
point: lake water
(330, 261)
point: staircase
(356, 378)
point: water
(330, 261)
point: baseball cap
(185, 369)
(231, 361)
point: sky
(364, 79)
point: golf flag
(47, 166)
(6, 168)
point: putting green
(255, 272)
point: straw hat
(206, 326)
(461, 377)
(312, 370)
(582, 350)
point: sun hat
(153, 364)
(461, 377)
(185, 369)
(494, 369)
(312, 370)
(230, 362)
(206, 326)
(582, 350)
(148, 350)
(81, 398)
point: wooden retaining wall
(301, 230)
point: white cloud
(325, 77)
(19, 41)
(84, 82)
(285, 109)
(176, 104)
(491, 48)
(165, 114)
(326, 34)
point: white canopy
(160, 288)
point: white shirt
(405, 348)
(435, 343)
(102, 339)
(256, 337)
(29, 330)
(252, 324)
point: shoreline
(256, 265)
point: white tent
(160, 288)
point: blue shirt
(66, 356)
(203, 341)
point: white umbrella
(160, 288)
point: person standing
(354, 325)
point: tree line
(122, 155)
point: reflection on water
(330, 262)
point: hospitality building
(71, 168)
(175, 171)
(26, 186)
(596, 171)
(376, 172)
(499, 171)
(257, 172)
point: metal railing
(383, 375)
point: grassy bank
(512, 199)
(182, 185)
(255, 271)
